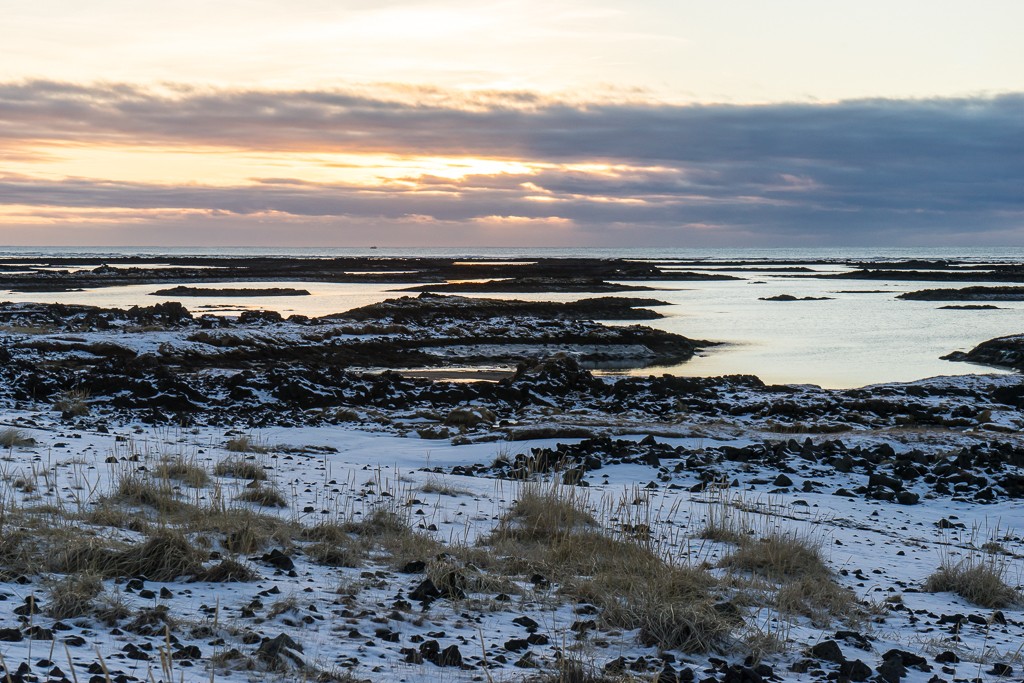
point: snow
(882, 551)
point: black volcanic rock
(790, 297)
(428, 308)
(979, 293)
(1003, 352)
(184, 290)
(540, 285)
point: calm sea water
(854, 339)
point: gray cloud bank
(943, 171)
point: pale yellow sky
(706, 50)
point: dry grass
(980, 580)
(111, 608)
(387, 531)
(331, 555)
(73, 402)
(164, 556)
(443, 488)
(240, 468)
(778, 556)
(246, 444)
(227, 570)
(15, 438)
(672, 607)
(139, 490)
(106, 513)
(335, 545)
(545, 515)
(263, 495)
(243, 530)
(726, 521)
(183, 470)
(73, 596)
(551, 531)
(819, 598)
(796, 573)
(574, 671)
(151, 621)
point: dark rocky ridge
(154, 270)
(971, 307)
(1008, 273)
(520, 285)
(432, 309)
(967, 294)
(982, 473)
(790, 297)
(126, 270)
(183, 290)
(1002, 352)
(224, 363)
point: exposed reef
(183, 290)
(790, 297)
(967, 294)
(521, 285)
(1002, 352)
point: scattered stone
(279, 651)
(827, 650)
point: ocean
(861, 335)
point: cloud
(865, 171)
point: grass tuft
(15, 438)
(73, 596)
(246, 444)
(226, 571)
(164, 556)
(142, 491)
(545, 515)
(549, 530)
(779, 556)
(333, 555)
(793, 563)
(980, 580)
(73, 402)
(244, 530)
(574, 671)
(185, 471)
(240, 468)
(263, 495)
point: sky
(678, 123)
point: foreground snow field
(433, 600)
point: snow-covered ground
(362, 622)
